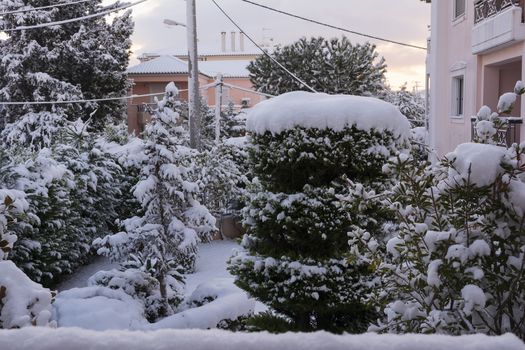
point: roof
(168, 64)
(160, 65)
(229, 68)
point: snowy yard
(98, 308)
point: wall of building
(487, 75)
(148, 84)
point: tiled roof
(171, 65)
(160, 65)
(228, 68)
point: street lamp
(171, 22)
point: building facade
(156, 70)
(476, 54)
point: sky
(399, 20)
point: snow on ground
(211, 279)
(77, 339)
(80, 277)
(99, 308)
(323, 111)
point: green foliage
(334, 66)
(411, 105)
(302, 204)
(80, 60)
(456, 262)
(289, 160)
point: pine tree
(410, 105)
(301, 209)
(334, 66)
(163, 242)
(79, 60)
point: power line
(334, 27)
(263, 51)
(247, 90)
(105, 99)
(50, 24)
(129, 97)
(43, 7)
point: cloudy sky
(400, 20)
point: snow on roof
(323, 111)
(229, 68)
(172, 65)
(160, 65)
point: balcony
(507, 135)
(497, 23)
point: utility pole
(218, 103)
(193, 75)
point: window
(459, 8)
(458, 94)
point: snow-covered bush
(12, 204)
(457, 261)
(489, 125)
(306, 147)
(232, 124)
(73, 190)
(411, 105)
(222, 176)
(23, 302)
(163, 242)
(141, 286)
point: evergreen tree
(301, 208)
(410, 105)
(334, 66)
(163, 242)
(80, 60)
(73, 189)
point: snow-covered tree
(73, 190)
(163, 242)
(456, 263)
(490, 125)
(411, 105)
(22, 302)
(297, 259)
(223, 175)
(334, 66)
(80, 60)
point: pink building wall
(156, 83)
(487, 74)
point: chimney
(241, 41)
(233, 40)
(223, 41)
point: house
(476, 54)
(156, 70)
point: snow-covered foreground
(69, 338)
(99, 308)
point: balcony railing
(484, 9)
(507, 135)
